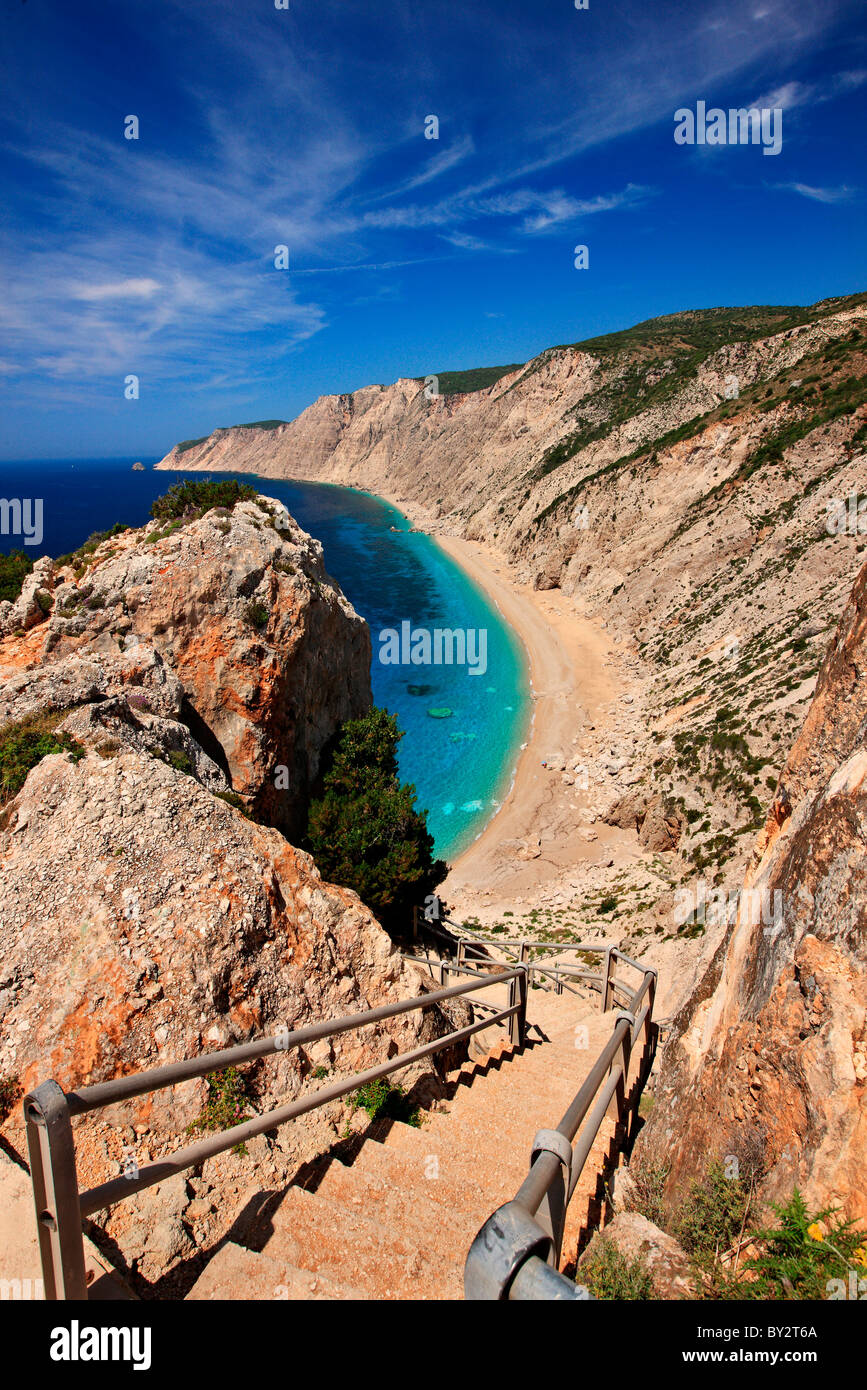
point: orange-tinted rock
(769, 1056)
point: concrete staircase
(397, 1221)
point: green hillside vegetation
(688, 337)
(189, 500)
(186, 444)
(823, 386)
(705, 330)
(475, 379)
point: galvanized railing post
(649, 1026)
(551, 1214)
(617, 1108)
(607, 988)
(55, 1192)
(518, 999)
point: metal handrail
(521, 1241)
(504, 1259)
(60, 1205)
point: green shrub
(803, 1252)
(258, 615)
(381, 1100)
(26, 743)
(14, 569)
(712, 1215)
(364, 832)
(189, 500)
(180, 761)
(649, 1199)
(80, 557)
(610, 1275)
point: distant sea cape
(464, 715)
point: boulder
(637, 1238)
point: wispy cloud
(156, 256)
(119, 289)
(436, 166)
(841, 194)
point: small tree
(364, 832)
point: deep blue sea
(460, 762)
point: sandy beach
(539, 835)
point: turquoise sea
(461, 762)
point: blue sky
(305, 127)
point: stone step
(313, 1233)
(410, 1170)
(474, 1165)
(406, 1208)
(259, 1277)
(547, 1094)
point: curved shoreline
(538, 833)
(535, 830)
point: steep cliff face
(234, 627)
(769, 1057)
(693, 485)
(144, 919)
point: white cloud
(840, 194)
(119, 289)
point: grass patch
(227, 1104)
(381, 1100)
(610, 1275)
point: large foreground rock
(145, 920)
(231, 622)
